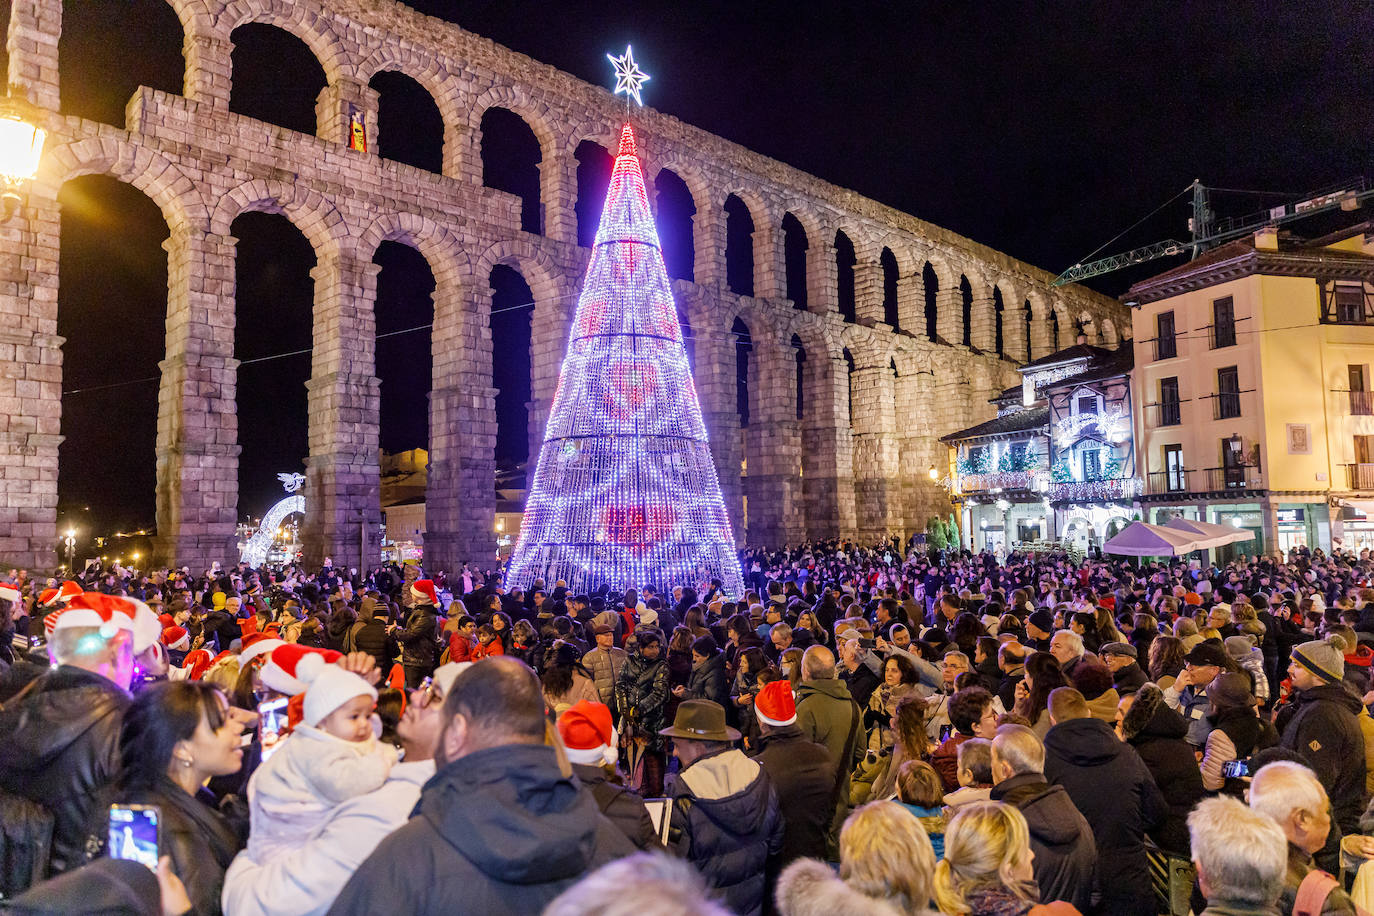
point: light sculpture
(625, 492)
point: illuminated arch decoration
(625, 492)
(256, 548)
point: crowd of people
(868, 729)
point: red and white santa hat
(588, 735)
(147, 628)
(291, 668)
(60, 595)
(9, 592)
(93, 609)
(775, 705)
(256, 644)
(423, 590)
(175, 637)
(197, 663)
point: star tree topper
(628, 76)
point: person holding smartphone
(177, 735)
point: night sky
(1042, 130)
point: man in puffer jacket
(1065, 853)
(725, 818)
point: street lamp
(21, 145)
(70, 543)
(934, 474)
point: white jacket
(305, 881)
(293, 792)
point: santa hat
(587, 733)
(290, 668)
(167, 620)
(60, 595)
(329, 688)
(197, 663)
(775, 705)
(93, 609)
(175, 637)
(423, 590)
(147, 628)
(8, 592)
(255, 645)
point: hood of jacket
(511, 813)
(831, 687)
(811, 888)
(1330, 693)
(730, 788)
(1084, 742)
(55, 714)
(1164, 723)
(1048, 809)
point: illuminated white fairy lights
(628, 76)
(625, 492)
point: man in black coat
(59, 739)
(802, 772)
(1158, 735)
(1065, 853)
(1121, 659)
(1321, 725)
(1110, 785)
(420, 637)
(498, 830)
(724, 817)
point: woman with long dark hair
(177, 735)
(1043, 675)
(565, 680)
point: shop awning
(1139, 539)
(1210, 534)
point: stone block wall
(818, 476)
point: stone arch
(441, 248)
(162, 181)
(197, 17)
(1110, 337)
(797, 256)
(446, 91)
(531, 261)
(846, 256)
(535, 114)
(315, 31)
(678, 227)
(889, 291)
(308, 210)
(1088, 325)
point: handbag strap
(1312, 893)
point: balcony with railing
(1164, 413)
(1359, 476)
(998, 480)
(1226, 405)
(1361, 403)
(1093, 490)
(1175, 481)
(1166, 347)
(1229, 478)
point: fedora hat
(700, 720)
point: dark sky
(1041, 130)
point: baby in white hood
(332, 756)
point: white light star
(628, 76)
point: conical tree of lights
(625, 493)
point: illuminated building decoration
(1113, 425)
(256, 548)
(625, 492)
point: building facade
(1057, 464)
(1253, 369)
(884, 334)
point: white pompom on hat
(331, 687)
(290, 668)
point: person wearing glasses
(308, 881)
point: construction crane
(1207, 232)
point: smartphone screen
(1235, 769)
(945, 732)
(134, 833)
(271, 724)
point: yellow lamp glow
(21, 145)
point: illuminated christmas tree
(625, 492)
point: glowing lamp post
(21, 145)
(70, 543)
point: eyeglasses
(431, 693)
